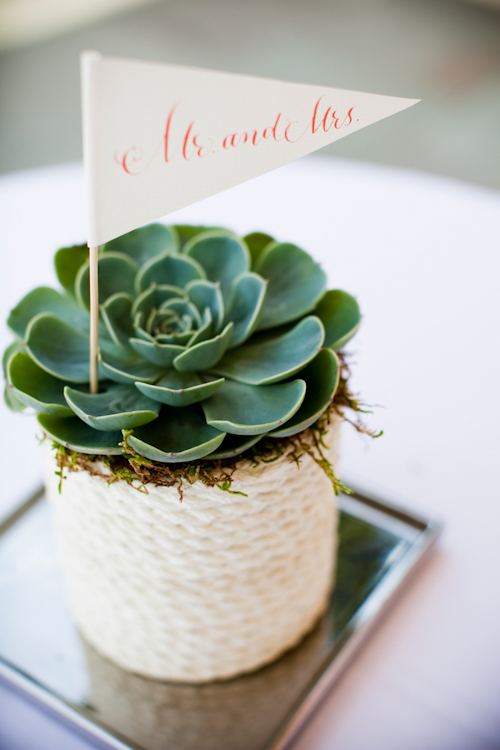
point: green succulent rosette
(207, 343)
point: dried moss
(138, 471)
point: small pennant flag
(157, 137)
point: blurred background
(445, 52)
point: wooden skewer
(94, 319)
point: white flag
(160, 137)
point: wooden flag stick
(94, 319)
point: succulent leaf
(127, 366)
(116, 313)
(161, 355)
(139, 331)
(206, 331)
(11, 400)
(223, 257)
(257, 243)
(145, 243)
(242, 409)
(58, 348)
(274, 359)
(206, 354)
(205, 294)
(174, 270)
(177, 435)
(44, 299)
(183, 308)
(174, 338)
(118, 407)
(12, 349)
(341, 316)
(35, 387)
(180, 388)
(322, 378)
(234, 445)
(116, 274)
(186, 232)
(245, 305)
(154, 296)
(68, 261)
(78, 436)
(296, 283)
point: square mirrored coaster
(42, 653)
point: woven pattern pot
(203, 589)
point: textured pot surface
(206, 588)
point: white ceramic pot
(203, 589)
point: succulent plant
(207, 342)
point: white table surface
(421, 254)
